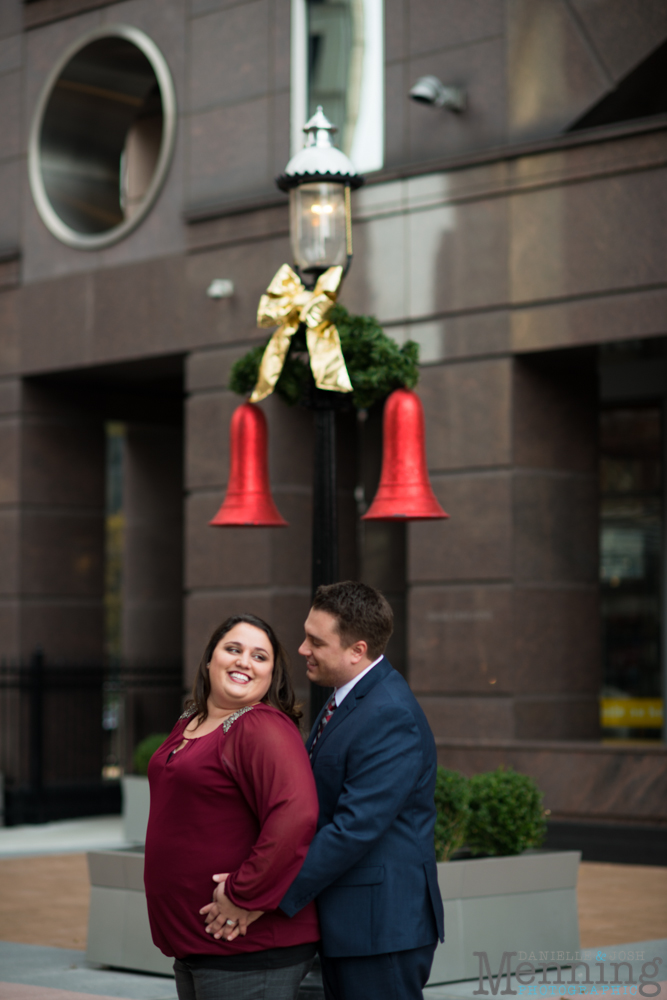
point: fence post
(37, 727)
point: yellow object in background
(633, 713)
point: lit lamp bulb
(318, 226)
(319, 179)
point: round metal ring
(65, 166)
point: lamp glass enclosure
(319, 225)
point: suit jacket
(371, 867)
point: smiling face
(240, 669)
(328, 661)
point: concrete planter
(118, 929)
(522, 903)
(526, 904)
(136, 805)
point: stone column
(460, 571)
(51, 524)
(557, 666)
(503, 599)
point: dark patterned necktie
(329, 711)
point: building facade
(520, 241)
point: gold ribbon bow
(288, 303)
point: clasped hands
(223, 918)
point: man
(371, 866)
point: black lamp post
(319, 180)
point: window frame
(367, 152)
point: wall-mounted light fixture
(430, 90)
(220, 288)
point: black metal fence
(68, 732)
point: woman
(232, 791)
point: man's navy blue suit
(371, 866)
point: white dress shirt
(343, 691)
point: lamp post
(319, 180)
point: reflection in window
(335, 63)
(630, 570)
(339, 63)
(140, 155)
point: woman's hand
(223, 918)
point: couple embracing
(327, 847)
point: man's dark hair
(361, 612)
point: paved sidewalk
(99, 833)
(16, 991)
(62, 974)
(31, 972)
(617, 903)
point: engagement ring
(231, 923)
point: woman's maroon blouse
(242, 801)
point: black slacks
(398, 975)
(220, 984)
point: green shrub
(506, 814)
(375, 363)
(145, 750)
(452, 797)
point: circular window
(102, 137)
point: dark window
(630, 569)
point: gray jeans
(219, 984)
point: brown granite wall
(460, 571)
(580, 780)
(556, 669)
(231, 70)
(503, 597)
(497, 255)
(531, 67)
(51, 525)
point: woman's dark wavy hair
(280, 694)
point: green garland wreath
(375, 363)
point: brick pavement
(617, 904)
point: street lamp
(319, 180)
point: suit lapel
(359, 691)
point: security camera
(430, 90)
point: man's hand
(223, 918)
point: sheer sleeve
(265, 755)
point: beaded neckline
(227, 724)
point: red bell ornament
(248, 502)
(405, 492)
